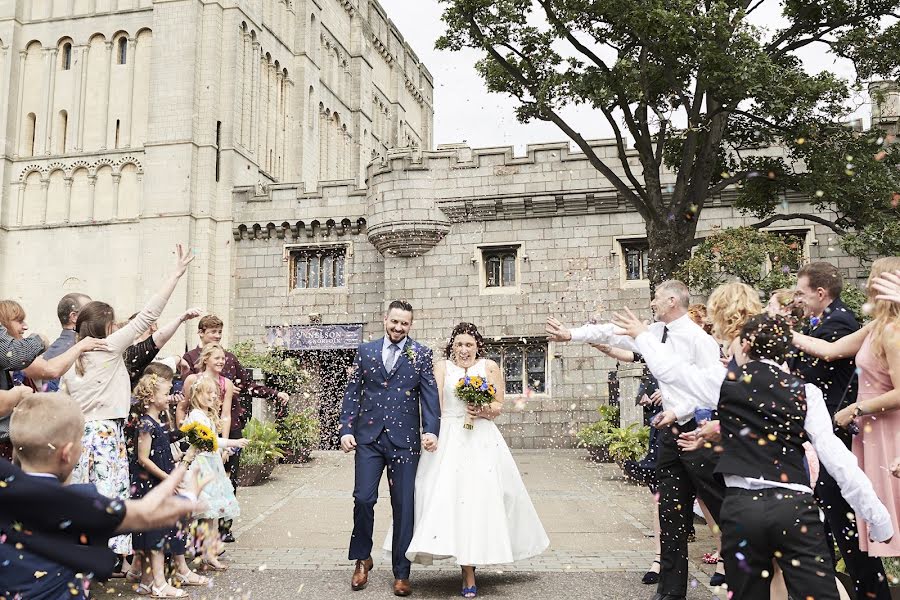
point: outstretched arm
(123, 338)
(845, 347)
(165, 333)
(56, 366)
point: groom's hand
(429, 442)
(348, 443)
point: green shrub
(627, 443)
(592, 436)
(280, 368)
(299, 431)
(263, 442)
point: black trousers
(762, 525)
(681, 477)
(866, 571)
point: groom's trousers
(682, 476)
(401, 463)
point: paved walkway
(294, 531)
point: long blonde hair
(207, 390)
(205, 353)
(729, 306)
(884, 312)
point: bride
(471, 504)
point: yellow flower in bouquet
(200, 437)
(476, 391)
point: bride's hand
(481, 411)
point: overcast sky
(465, 111)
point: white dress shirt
(705, 386)
(685, 338)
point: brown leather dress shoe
(361, 574)
(402, 587)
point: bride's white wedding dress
(471, 504)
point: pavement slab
(294, 530)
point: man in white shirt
(766, 415)
(682, 475)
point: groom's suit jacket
(377, 400)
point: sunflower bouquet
(475, 391)
(200, 437)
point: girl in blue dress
(153, 462)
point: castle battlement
(462, 156)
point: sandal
(133, 577)
(191, 579)
(161, 592)
(469, 592)
(143, 589)
(651, 577)
(207, 566)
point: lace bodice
(453, 406)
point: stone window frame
(289, 253)
(480, 260)
(619, 247)
(523, 342)
(809, 240)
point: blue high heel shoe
(470, 590)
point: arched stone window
(122, 53)
(66, 57)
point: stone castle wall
(565, 219)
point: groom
(380, 420)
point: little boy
(47, 557)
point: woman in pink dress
(877, 350)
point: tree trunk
(670, 244)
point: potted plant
(262, 451)
(280, 369)
(592, 436)
(627, 443)
(250, 471)
(299, 433)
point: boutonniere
(410, 354)
(814, 322)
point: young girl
(210, 364)
(218, 493)
(153, 463)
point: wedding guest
(877, 350)
(153, 464)
(819, 287)
(146, 346)
(766, 416)
(681, 475)
(62, 531)
(23, 361)
(208, 465)
(67, 312)
(12, 317)
(209, 330)
(99, 384)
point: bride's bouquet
(475, 391)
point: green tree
(751, 116)
(763, 260)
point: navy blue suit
(382, 410)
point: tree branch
(623, 157)
(632, 195)
(804, 216)
(726, 182)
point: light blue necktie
(393, 352)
